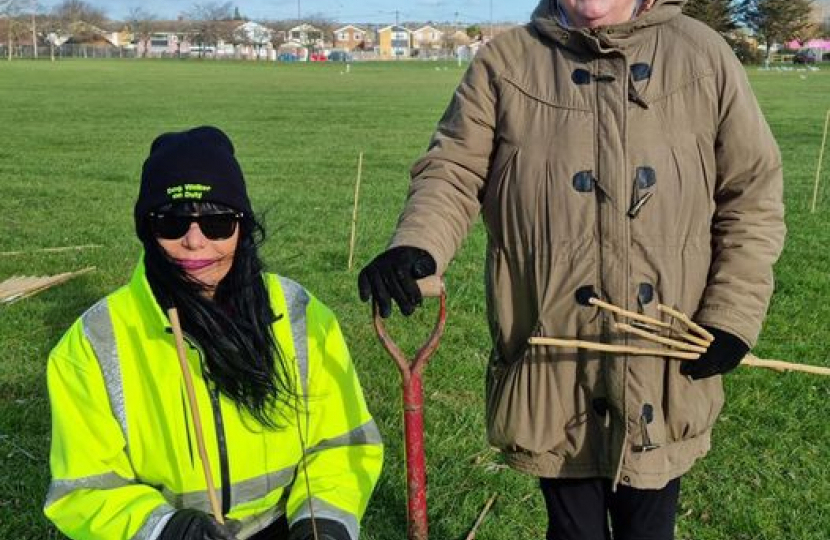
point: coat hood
(601, 39)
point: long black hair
(241, 355)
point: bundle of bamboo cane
(694, 339)
(19, 287)
(687, 342)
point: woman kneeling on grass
(293, 450)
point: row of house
(260, 41)
(253, 39)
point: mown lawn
(74, 135)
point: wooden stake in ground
(820, 160)
(354, 211)
(19, 287)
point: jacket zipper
(223, 449)
(221, 441)
(625, 222)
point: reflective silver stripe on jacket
(297, 299)
(241, 492)
(322, 509)
(99, 331)
(153, 525)
(58, 489)
(253, 524)
(368, 433)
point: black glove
(393, 275)
(723, 355)
(189, 524)
(326, 530)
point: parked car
(805, 56)
(340, 56)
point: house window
(357, 36)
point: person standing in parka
(614, 149)
(293, 450)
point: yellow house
(394, 42)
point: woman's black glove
(326, 530)
(392, 275)
(188, 524)
(723, 355)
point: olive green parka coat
(629, 161)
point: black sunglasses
(218, 226)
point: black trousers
(580, 509)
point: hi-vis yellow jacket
(124, 453)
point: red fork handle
(430, 287)
(413, 403)
(416, 470)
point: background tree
(142, 24)
(473, 31)
(776, 21)
(34, 7)
(72, 12)
(9, 11)
(718, 14)
(206, 19)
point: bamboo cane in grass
(354, 210)
(173, 315)
(780, 365)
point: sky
(367, 11)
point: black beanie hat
(197, 165)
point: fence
(66, 51)
(99, 51)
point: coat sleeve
(344, 452)
(93, 494)
(748, 224)
(447, 182)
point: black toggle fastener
(645, 293)
(583, 181)
(584, 295)
(581, 76)
(640, 71)
(646, 417)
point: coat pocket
(524, 412)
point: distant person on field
(614, 149)
(294, 452)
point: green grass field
(74, 135)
